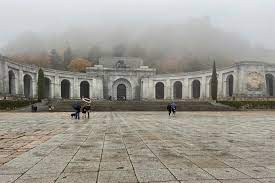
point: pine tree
(40, 84)
(214, 83)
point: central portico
(121, 77)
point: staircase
(66, 105)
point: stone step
(61, 106)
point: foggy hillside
(190, 46)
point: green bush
(13, 104)
(250, 104)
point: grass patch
(250, 104)
(14, 104)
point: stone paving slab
(193, 147)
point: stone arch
(12, 89)
(47, 87)
(196, 89)
(177, 90)
(122, 89)
(269, 78)
(65, 89)
(84, 89)
(27, 79)
(159, 90)
(229, 85)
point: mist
(172, 36)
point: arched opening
(229, 85)
(269, 85)
(196, 89)
(121, 92)
(65, 89)
(47, 87)
(11, 82)
(84, 89)
(177, 90)
(159, 90)
(27, 86)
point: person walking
(174, 108)
(169, 109)
(77, 108)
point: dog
(73, 115)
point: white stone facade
(128, 79)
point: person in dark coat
(169, 109)
(77, 108)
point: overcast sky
(253, 19)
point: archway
(196, 89)
(269, 78)
(159, 90)
(121, 92)
(84, 89)
(47, 87)
(11, 83)
(229, 85)
(27, 86)
(177, 90)
(65, 88)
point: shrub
(13, 104)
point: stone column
(203, 87)
(51, 89)
(34, 86)
(75, 89)
(91, 85)
(57, 87)
(20, 82)
(185, 88)
(167, 89)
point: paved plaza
(195, 147)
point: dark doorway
(229, 85)
(11, 83)
(47, 88)
(84, 89)
(269, 85)
(27, 86)
(159, 90)
(196, 89)
(177, 90)
(65, 89)
(121, 92)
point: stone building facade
(128, 79)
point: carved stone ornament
(255, 81)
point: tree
(68, 56)
(40, 84)
(214, 83)
(79, 65)
(55, 59)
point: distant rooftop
(121, 62)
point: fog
(171, 35)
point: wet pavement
(195, 147)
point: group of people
(85, 109)
(171, 108)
